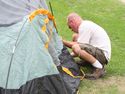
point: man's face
(73, 26)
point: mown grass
(110, 14)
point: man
(90, 42)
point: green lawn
(110, 14)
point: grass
(110, 14)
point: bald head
(73, 15)
(73, 21)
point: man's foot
(97, 73)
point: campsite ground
(110, 14)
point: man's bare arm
(69, 43)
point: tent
(29, 50)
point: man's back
(96, 36)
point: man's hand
(76, 49)
(69, 43)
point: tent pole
(8, 74)
(53, 15)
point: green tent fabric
(32, 50)
(33, 69)
(27, 57)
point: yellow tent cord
(41, 11)
(50, 17)
(66, 70)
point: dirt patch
(110, 85)
(118, 82)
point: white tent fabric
(13, 11)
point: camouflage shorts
(94, 51)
